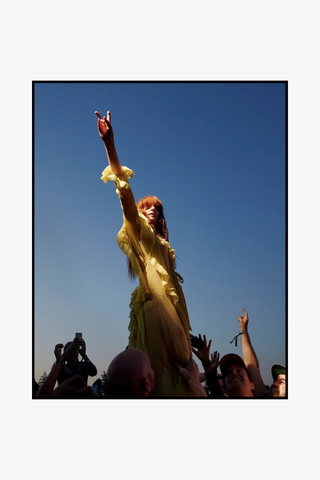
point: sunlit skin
(152, 214)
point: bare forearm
(251, 361)
(113, 159)
(248, 354)
(126, 196)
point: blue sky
(215, 154)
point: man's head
(236, 377)
(73, 353)
(130, 375)
(279, 378)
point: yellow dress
(159, 322)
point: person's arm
(190, 374)
(203, 353)
(127, 199)
(106, 133)
(91, 368)
(210, 367)
(46, 389)
(249, 356)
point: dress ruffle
(148, 238)
(120, 181)
(159, 322)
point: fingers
(106, 119)
(195, 352)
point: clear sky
(215, 155)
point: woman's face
(152, 214)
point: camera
(196, 342)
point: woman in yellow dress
(159, 322)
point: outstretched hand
(105, 129)
(58, 351)
(243, 321)
(215, 360)
(203, 353)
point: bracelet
(59, 361)
(242, 332)
(206, 364)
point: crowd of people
(130, 374)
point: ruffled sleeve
(120, 181)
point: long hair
(160, 229)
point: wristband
(206, 364)
(242, 332)
(59, 361)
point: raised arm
(210, 367)
(249, 357)
(106, 133)
(127, 199)
(91, 368)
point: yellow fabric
(159, 322)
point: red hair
(160, 229)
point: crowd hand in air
(82, 348)
(76, 343)
(203, 353)
(243, 321)
(58, 351)
(215, 360)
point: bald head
(130, 375)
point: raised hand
(58, 351)
(105, 129)
(203, 353)
(215, 360)
(82, 348)
(243, 321)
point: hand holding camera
(203, 348)
(80, 343)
